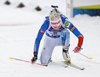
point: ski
(67, 63)
(72, 65)
(41, 64)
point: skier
(55, 28)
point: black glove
(34, 59)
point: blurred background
(70, 8)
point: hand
(34, 59)
(77, 49)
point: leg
(47, 50)
(65, 43)
(65, 35)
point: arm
(76, 32)
(80, 37)
(40, 34)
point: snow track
(18, 41)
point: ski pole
(27, 61)
(85, 56)
(19, 59)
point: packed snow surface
(18, 30)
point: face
(56, 24)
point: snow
(18, 29)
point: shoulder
(63, 17)
(45, 24)
(46, 21)
(47, 18)
(65, 20)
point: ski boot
(66, 55)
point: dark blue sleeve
(40, 34)
(74, 30)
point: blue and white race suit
(54, 37)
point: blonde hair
(54, 16)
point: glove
(77, 49)
(34, 59)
